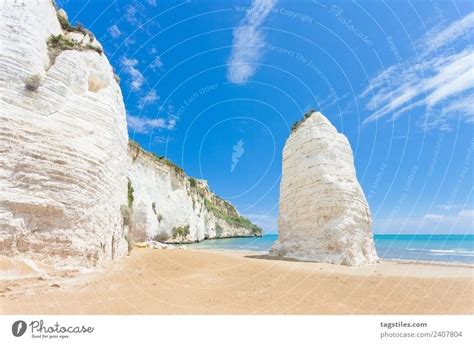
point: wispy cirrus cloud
(130, 67)
(440, 80)
(149, 98)
(461, 216)
(114, 31)
(437, 39)
(433, 217)
(172, 118)
(144, 125)
(457, 222)
(166, 119)
(156, 64)
(248, 42)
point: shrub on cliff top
(68, 27)
(138, 149)
(64, 22)
(301, 121)
(59, 43)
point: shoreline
(187, 281)
(381, 260)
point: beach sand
(235, 282)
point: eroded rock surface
(324, 215)
(63, 140)
(71, 189)
(169, 206)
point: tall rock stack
(63, 139)
(324, 215)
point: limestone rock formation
(70, 193)
(323, 215)
(169, 206)
(63, 140)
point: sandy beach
(235, 282)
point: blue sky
(215, 86)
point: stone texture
(63, 145)
(324, 215)
(166, 199)
(64, 157)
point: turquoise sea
(427, 248)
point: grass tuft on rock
(297, 124)
(59, 43)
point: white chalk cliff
(171, 207)
(323, 214)
(65, 168)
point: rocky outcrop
(69, 190)
(324, 215)
(63, 139)
(168, 206)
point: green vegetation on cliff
(215, 205)
(181, 231)
(226, 211)
(137, 150)
(297, 124)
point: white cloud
(137, 13)
(441, 82)
(131, 14)
(156, 64)
(248, 42)
(450, 34)
(143, 125)
(150, 98)
(151, 2)
(237, 152)
(136, 77)
(460, 222)
(166, 119)
(114, 31)
(172, 117)
(449, 206)
(469, 213)
(433, 217)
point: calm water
(441, 248)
